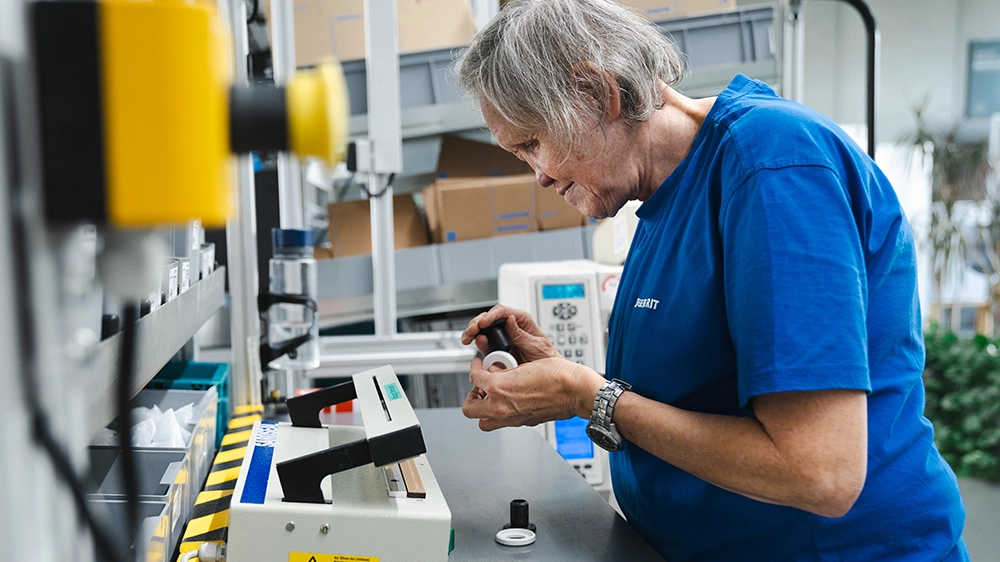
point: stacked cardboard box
(337, 27)
(666, 9)
(350, 230)
(484, 191)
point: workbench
(480, 473)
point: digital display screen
(572, 291)
(572, 441)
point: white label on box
(172, 284)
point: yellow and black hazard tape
(210, 517)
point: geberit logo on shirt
(646, 303)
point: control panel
(564, 313)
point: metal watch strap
(604, 402)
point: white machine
(571, 300)
(324, 493)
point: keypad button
(583, 339)
(579, 353)
(572, 340)
(571, 327)
(561, 340)
(560, 327)
(568, 353)
(564, 310)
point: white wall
(924, 51)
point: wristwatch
(600, 429)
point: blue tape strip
(255, 485)
(512, 228)
(515, 215)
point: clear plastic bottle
(293, 272)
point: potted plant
(962, 381)
(964, 224)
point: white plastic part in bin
(201, 443)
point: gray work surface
(480, 473)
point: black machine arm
(304, 410)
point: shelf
(159, 335)
(416, 302)
(409, 354)
(440, 278)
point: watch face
(603, 438)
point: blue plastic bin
(190, 375)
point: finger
(489, 424)
(515, 332)
(480, 377)
(469, 334)
(476, 407)
(483, 345)
(491, 316)
(474, 394)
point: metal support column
(793, 53)
(241, 238)
(291, 206)
(385, 134)
(292, 211)
(407, 353)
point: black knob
(519, 516)
(111, 324)
(496, 336)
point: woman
(765, 339)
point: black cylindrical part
(258, 118)
(519, 514)
(496, 336)
(110, 325)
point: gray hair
(526, 64)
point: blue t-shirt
(776, 258)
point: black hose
(41, 431)
(126, 373)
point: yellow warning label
(309, 557)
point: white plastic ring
(515, 537)
(499, 358)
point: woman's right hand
(529, 341)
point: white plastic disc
(515, 537)
(499, 357)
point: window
(984, 79)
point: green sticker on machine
(393, 392)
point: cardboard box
(463, 158)
(337, 27)
(350, 230)
(460, 209)
(553, 211)
(657, 10)
(691, 7)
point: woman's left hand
(530, 394)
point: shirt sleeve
(795, 283)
